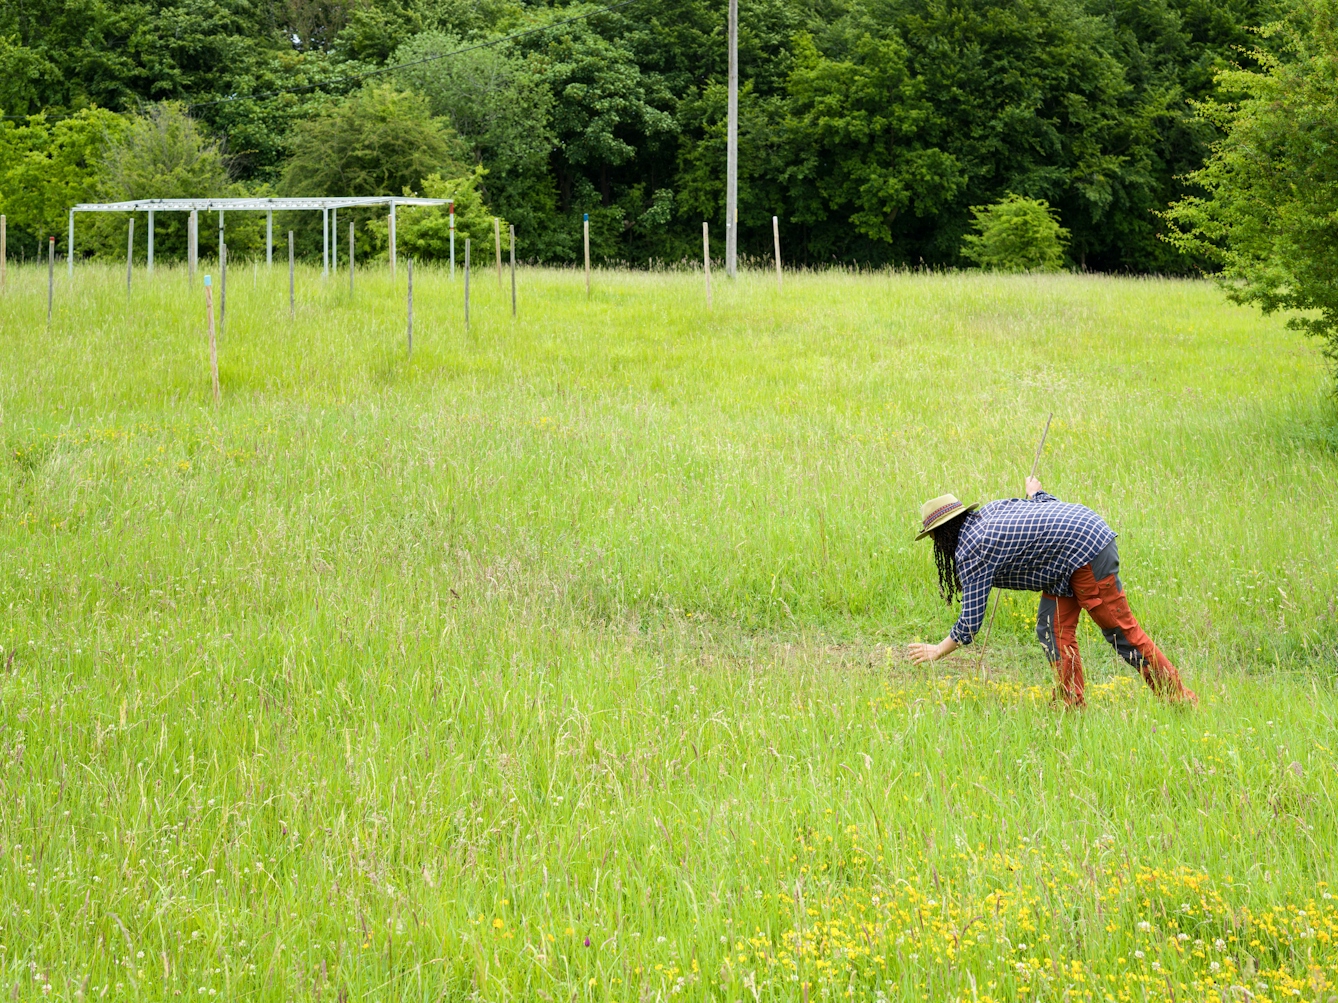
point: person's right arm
(1034, 492)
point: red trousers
(1105, 602)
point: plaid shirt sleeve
(976, 575)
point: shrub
(424, 232)
(1016, 234)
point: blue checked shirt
(1029, 544)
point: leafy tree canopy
(1267, 208)
(379, 141)
(869, 127)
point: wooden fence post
(513, 272)
(4, 254)
(466, 285)
(292, 298)
(129, 254)
(411, 308)
(706, 259)
(350, 258)
(50, 276)
(213, 342)
(775, 232)
(586, 226)
(497, 240)
(222, 286)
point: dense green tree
(1267, 211)
(502, 110)
(46, 167)
(162, 153)
(870, 127)
(380, 141)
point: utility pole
(732, 147)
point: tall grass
(561, 660)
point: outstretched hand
(1033, 485)
(921, 653)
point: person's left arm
(976, 583)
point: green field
(564, 659)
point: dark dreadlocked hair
(945, 558)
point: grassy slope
(410, 676)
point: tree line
(870, 127)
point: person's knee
(1123, 647)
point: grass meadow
(563, 660)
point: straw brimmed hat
(935, 512)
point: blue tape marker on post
(208, 281)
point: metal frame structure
(325, 206)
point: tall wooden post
(150, 242)
(350, 258)
(4, 253)
(497, 240)
(451, 206)
(466, 285)
(292, 297)
(50, 276)
(411, 308)
(222, 286)
(775, 233)
(706, 259)
(129, 253)
(213, 341)
(513, 272)
(585, 224)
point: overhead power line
(415, 62)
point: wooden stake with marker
(706, 259)
(50, 276)
(513, 272)
(989, 627)
(467, 285)
(213, 341)
(586, 226)
(775, 233)
(497, 240)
